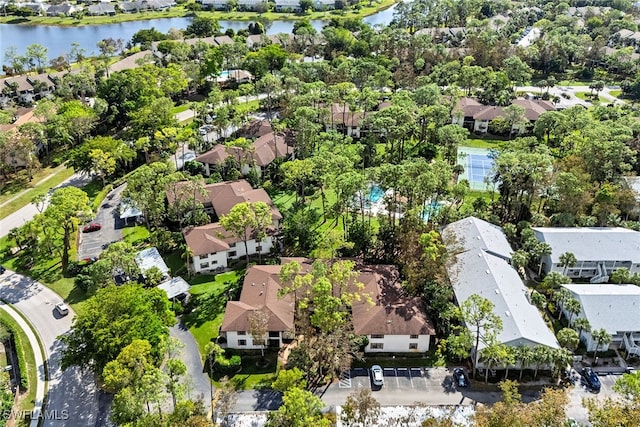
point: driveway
(579, 391)
(72, 395)
(199, 386)
(91, 244)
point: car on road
(2, 269)
(591, 379)
(460, 377)
(377, 377)
(62, 309)
(94, 226)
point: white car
(62, 309)
(376, 376)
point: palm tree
(601, 336)
(492, 355)
(567, 259)
(573, 307)
(568, 338)
(581, 324)
(525, 356)
(539, 300)
(561, 359)
(542, 250)
(509, 359)
(187, 255)
(561, 296)
(542, 355)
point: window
(214, 262)
(259, 248)
(413, 346)
(242, 342)
(413, 337)
(232, 253)
(377, 346)
(232, 245)
(204, 265)
(379, 337)
(274, 334)
(242, 332)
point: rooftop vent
(497, 291)
(487, 271)
(389, 322)
(261, 292)
(507, 313)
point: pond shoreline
(53, 21)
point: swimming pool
(431, 209)
(375, 194)
(224, 74)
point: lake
(58, 39)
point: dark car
(94, 226)
(460, 377)
(591, 379)
(2, 269)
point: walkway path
(35, 347)
(199, 384)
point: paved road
(199, 384)
(73, 391)
(91, 244)
(571, 91)
(575, 408)
(26, 213)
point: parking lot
(400, 378)
(577, 393)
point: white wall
(233, 338)
(266, 244)
(216, 260)
(398, 344)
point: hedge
(20, 352)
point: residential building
(176, 288)
(132, 61)
(264, 151)
(215, 4)
(633, 184)
(62, 9)
(212, 246)
(475, 234)
(22, 116)
(598, 250)
(342, 119)
(479, 266)
(324, 4)
(473, 115)
(288, 6)
(251, 5)
(392, 321)
(260, 292)
(100, 9)
(614, 308)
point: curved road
(72, 396)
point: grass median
(60, 174)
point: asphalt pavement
(72, 396)
(92, 243)
(198, 380)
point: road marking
(345, 379)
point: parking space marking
(345, 379)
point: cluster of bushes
(228, 366)
(16, 341)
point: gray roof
(129, 209)
(477, 272)
(615, 308)
(175, 287)
(473, 233)
(151, 258)
(591, 243)
(633, 182)
(101, 8)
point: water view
(58, 39)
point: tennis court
(477, 166)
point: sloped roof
(488, 113)
(269, 147)
(615, 308)
(149, 258)
(392, 312)
(256, 128)
(129, 62)
(21, 81)
(533, 108)
(216, 156)
(208, 239)
(42, 78)
(477, 272)
(175, 287)
(260, 293)
(591, 243)
(468, 106)
(472, 233)
(220, 40)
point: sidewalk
(33, 342)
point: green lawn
(27, 400)
(209, 299)
(587, 97)
(616, 93)
(180, 108)
(253, 375)
(482, 143)
(137, 235)
(61, 174)
(585, 83)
